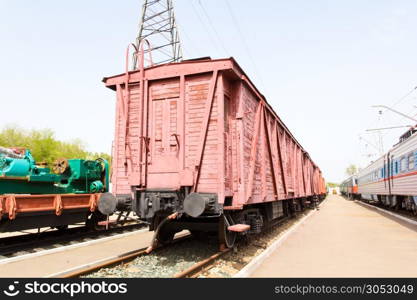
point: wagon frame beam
(303, 156)
(284, 182)
(255, 139)
(241, 148)
(263, 156)
(204, 128)
(272, 157)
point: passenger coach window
(411, 161)
(403, 164)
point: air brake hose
(154, 242)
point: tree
(332, 184)
(44, 146)
(351, 170)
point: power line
(205, 26)
(393, 105)
(395, 111)
(194, 46)
(369, 143)
(213, 28)
(388, 128)
(404, 97)
(242, 37)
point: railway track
(186, 257)
(15, 246)
(119, 260)
(123, 260)
(201, 266)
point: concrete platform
(346, 239)
(52, 263)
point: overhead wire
(400, 99)
(217, 40)
(209, 34)
(404, 97)
(383, 111)
(242, 37)
(193, 45)
(213, 28)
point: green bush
(44, 146)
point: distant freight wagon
(197, 147)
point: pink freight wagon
(197, 147)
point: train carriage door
(165, 145)
(384, 173)
(388, 172)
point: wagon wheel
(60, 166)
(226, 237)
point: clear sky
(321, 64)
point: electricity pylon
(159, 28)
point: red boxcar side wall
(126, 142)
(197, 90)
(175, 119)
(208, 130)
(274, 166)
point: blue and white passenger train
(392, 179)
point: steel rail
(27, 242)
(91, 269)
(200, 266)
(121, 258)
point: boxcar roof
(193, 67)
